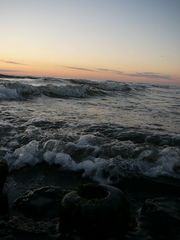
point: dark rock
(27, 228)
(161, 217)
(143, 186)
(3, 205)
(3, 173)
(176, 168)
(5, 231)
(40, 203)
(95, 210)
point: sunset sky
(126, 40)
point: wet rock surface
(100, 210)
(6, 232)
(3, 205)
(3, 173)
(27, 228)
(35, 211)
(161, 217)
(40, 203)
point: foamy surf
(89, 155)
(104, 130)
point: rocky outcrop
(3, 197)
(95, 209)
(40, 203)
(161, 218)
(3, 173)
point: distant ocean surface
(106, 130)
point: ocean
(91, 126)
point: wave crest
(22, 91)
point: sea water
(104, 129)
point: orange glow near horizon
(55, 70)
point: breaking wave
(20, 91)
(16, 90)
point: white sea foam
(89, 139)
(26, 155)
(96, 168)
(168, 158)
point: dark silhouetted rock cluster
(145, 209)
